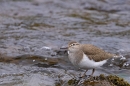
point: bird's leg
(84, 73)
(91, 76)
(81, 79)
(92, 72)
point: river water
(33, 31)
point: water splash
(45, 47)
(120, 52)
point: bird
(87, 56)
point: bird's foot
(90, 77)
(86, 76)
(83, 78)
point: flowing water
(33, 31)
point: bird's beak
(65, 47)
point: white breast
(72, 58)
(90, 64)
(68, 52)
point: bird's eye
(73, 45)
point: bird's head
(73, 46)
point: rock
(101, 80)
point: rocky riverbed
(33, 34)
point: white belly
(90, 64)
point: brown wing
(95, 53)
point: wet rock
(110, 80)
(44, 59)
